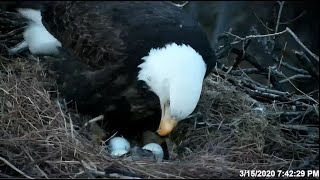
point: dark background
(301, 17)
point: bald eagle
(137, 62)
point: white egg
(156, 149)
(119, 146)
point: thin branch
(284, 48)
(247, 71)
(256, 71)
(298, 117)
(251, 80)
(301, 44)
(294, 77)
(300, 127)
(53, 155)
(255, 82)
(292, 113)
(309, 67)
(13, 167)
(300, 90)
(264, 96)
(71, 127)
(269, 76)
(275, 34)
(270, 91)
(257, 36)
(98, 118)
(290, 67)
(64, 118)
(258, 65)
(279, 15)
(240, 58)
(294, 19)
(262, 22)
(12, 33)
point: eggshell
(119, 146)
(156, 149)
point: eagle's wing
(87, 30)
(116, 33)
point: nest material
(40, 139)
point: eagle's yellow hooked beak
(167, 122)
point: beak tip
(162, 132)
(166, 126)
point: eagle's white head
(175, 73)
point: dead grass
(40, 139)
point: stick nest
(39, 138)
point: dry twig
(13, 167)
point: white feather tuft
(31, 14)
(39, 40)
(175, 73)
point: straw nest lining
(39, 138)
